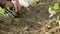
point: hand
(17, 6)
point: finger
(16, 7)
(19, 7)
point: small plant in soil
(54, 10)
(6, 12)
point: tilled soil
(33, 21)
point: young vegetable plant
(54, 10)
(7, 12)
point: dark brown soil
(33, 21)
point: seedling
(54, 10)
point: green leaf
(51, 11)
(56, 6)
(57, 18)
(1, 11)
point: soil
(33, 21)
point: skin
(16, 4)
